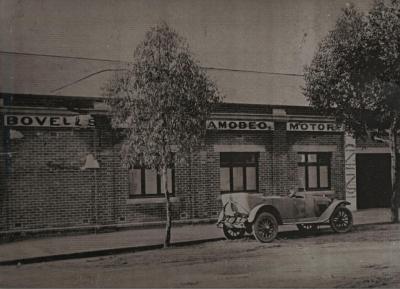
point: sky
(277, 36)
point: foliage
(162, 101)
(355, 77)
(355, 74)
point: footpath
(90, 245)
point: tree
(355, 77)
(163, 101)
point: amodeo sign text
(239, 125)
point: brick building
(255, 148)
(60, 166)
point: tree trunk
(395, 176)
(164, 184)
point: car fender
(220, 217)
(329, 211)
(262, 207)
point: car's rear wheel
(265, 227)
(233, 233)
(341, 220)
(307, 228)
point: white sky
(268, 35)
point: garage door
(373, 181)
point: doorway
(374, 185)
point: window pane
(324, 159)
(135, 181)
(225, 158)
(312, 158)
(312, 177)
(301, 158)
(169, 182)
(249, 158)
(240, 158)
(251, 179)
(323, 177)
(232, 166)
(224, 179)
(151, 182)
(301, 176)
(238, 179)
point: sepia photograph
(199, 143)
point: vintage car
(261, 215)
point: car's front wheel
(233, 233)
(341, 220)
(265, 227)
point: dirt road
(367, 257)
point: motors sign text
(313, 126)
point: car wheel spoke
(341, 221)
(265, 227)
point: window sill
(150, 201)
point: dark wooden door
(373, 181)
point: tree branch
(379, 139)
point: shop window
(147, 183)
(238, 172)
(314, 171)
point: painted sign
(49, 120)
(239, 125)
(313, 126)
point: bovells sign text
(239, 125)
(49, 120)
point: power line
(58, 56)
(253, 71)
(120, 61)
(86, 77)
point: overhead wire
(120, 61)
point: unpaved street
(366, 257)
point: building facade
(59, 158)
(60, 164)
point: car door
(292, 208)
(300, 205)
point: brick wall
(265, 164)
(337, 160)
(4, 158)
(280, 160)
(46, 187)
